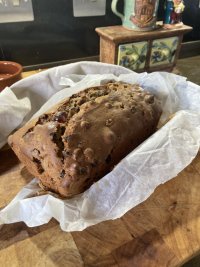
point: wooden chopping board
(162, 231)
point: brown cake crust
(81, 139)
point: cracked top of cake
(81, 139)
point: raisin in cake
(81, 139)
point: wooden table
(162, 231)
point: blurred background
(55, 34)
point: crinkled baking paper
(157, 160)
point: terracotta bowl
(10, 72)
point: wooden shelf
(118, 34)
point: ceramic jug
(139, 15)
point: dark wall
(56, 35)
(191, 16)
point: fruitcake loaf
(82, 138)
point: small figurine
(173, 14)
(169, 8)
(177, 13)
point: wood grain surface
(162, 231)
(119, 34)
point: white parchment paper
(157, 160)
